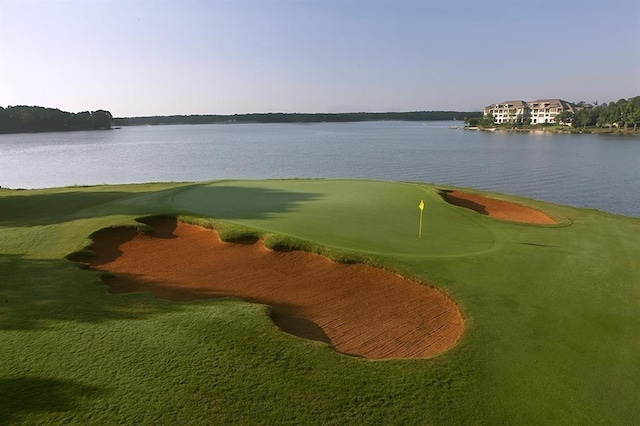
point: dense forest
(295, 118)
(27, 119)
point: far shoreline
(297, 118)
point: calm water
(601, 172)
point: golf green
(371, 217)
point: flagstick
(421, 207)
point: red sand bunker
(496, 208)
(360, 310)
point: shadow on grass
(239, 202)
(539, 245)
(20, 396)
(33, 293)
(24, 208)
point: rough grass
(552, 313)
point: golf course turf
(551, 311)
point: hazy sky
(222, 57)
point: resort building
(507, 112)
(540, 111)
(545, 110)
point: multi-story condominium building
(536, 112)
(545, 110)
(507, 111)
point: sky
(141, 58)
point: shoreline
(564, 130)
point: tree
(634, 118)
(101, 119)
(565, 117)
(614, 114)
(473, 121)
(581, 118)
(631, 115)
(487, 120)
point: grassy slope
(552, 336)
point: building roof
(555, 103)
(515, 104)
(551, 103)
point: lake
(596, 171)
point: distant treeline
(27, 119)
(295, 118)
(621, 114)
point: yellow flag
(421, 207)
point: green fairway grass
(552, 331)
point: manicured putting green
(372, 217)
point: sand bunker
(496, 208)
(360, 310)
